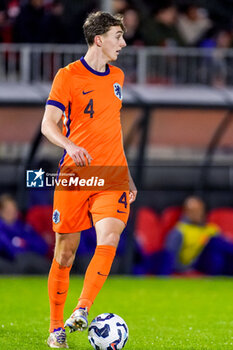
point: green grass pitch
(161, 313)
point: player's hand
(79, 155)
(132, 191)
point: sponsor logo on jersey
(87, 92)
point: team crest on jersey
(56, 216)
(117, 90)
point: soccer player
(87, 96)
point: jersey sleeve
(60, 92)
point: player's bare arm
(132, 189)
(51, 130)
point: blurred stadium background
(176, 116)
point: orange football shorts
(75, 211)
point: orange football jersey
(91, 102)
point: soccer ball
(108, 332)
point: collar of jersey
(94, 71)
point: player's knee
(65, 258)
(109, 238)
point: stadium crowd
(154, 23)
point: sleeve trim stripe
(56, 104)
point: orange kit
(90, 102)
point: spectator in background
(13, 9)
(30, 24)
(2, 22)
(54, 24)
(9, 10)
(18, 241)
(196, 244)
(161, 29)
(218, 38)
(119, 6)
(75, 13)
(132, 35)
(192, 24)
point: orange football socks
(96, 274)
(58, 284)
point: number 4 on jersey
(89, 108)
(123, 199)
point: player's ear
(98, 40)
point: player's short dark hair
(98, 23)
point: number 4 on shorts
(123, 199)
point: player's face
(112, 43)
